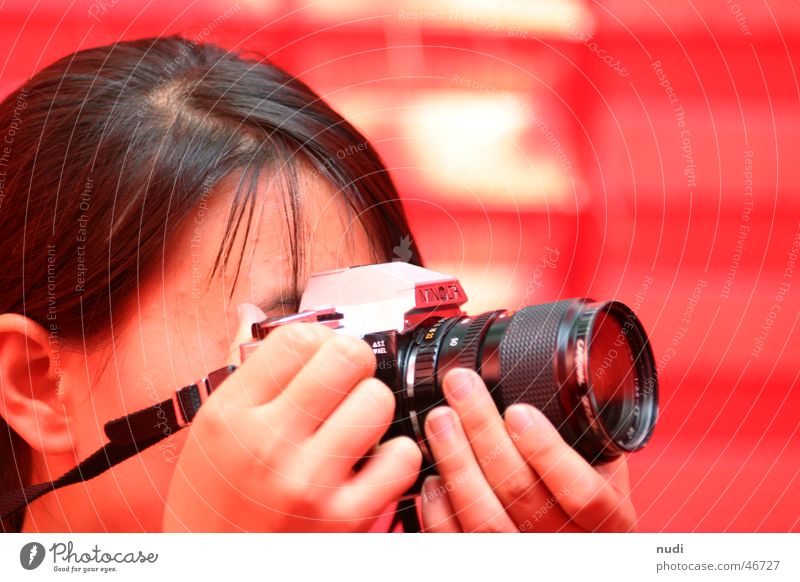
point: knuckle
(436, 525)
(482, 420)
(628, 520)
(345, 514)
(270, 452)
(352, 352)
(589, 503)
(212, 421)
(572, 505)
(491, 526)
(275, 446)
(459, 471)
(378, 395)
(298, 334)
(301, 488)
(295, 494)
(516, 486)
(621, 520)
(549, 449)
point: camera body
(394, 307)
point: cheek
(167, 353)
(164, 344)
(175, 335)
(131, 496)
(138, 374)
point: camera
(587, 365)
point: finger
(317, 389)
(585, 495)
(616, 473)
(513, 480)
(355, 426)
(438, 515)
(386, 476)
(476, 505)
(248, 314)
(272, 366)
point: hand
(273, 448)
(513, 475)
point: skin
(274, 448)
(168, 337)
(514, 473)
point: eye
(283, 302)
(287, 307)
(291, 307)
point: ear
(30, 397)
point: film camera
(586, 364)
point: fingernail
(460, 383)
(520, 418)
(441, 423)
(431, 489)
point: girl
(157, 197)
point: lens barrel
(586, 365)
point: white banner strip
(400, 557)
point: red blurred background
(637, 151)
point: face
(177, 328)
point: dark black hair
(106, 152)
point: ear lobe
(30, 399)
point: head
(147, 188)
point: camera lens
(586, 365)
(613, 386)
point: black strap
(101, 460)
(140, 430)
(128, 436)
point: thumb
(248, 314)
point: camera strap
(128, 436)
(131, 434)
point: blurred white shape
(516, 18)
(472, 146)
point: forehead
(183, 305)
(274, 239)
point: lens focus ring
(527, 352)
(468, 356)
